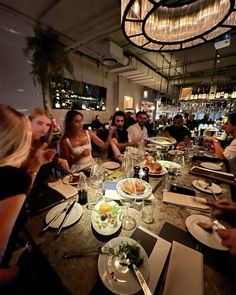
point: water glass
(92, 196)
(147, 210)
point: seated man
(178, 131)
(138, 131)
(229, 152)
(120, 134)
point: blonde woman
(15, 143)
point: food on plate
(154, 166)
(133, 187)
(74, 178)
(107, 216)
(130, 254)
(207, 226)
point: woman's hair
(232, 119)
(15, 137)
(68, 128)
(38, 112)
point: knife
(56, 216)
(65, 217)
(141, 280)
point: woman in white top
(76, 143)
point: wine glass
(97, 176)
(128, 222)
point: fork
(99, 250)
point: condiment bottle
(146, 174)
(136, 172)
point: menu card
(185, 271)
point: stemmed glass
(96, 178)
(128, 222)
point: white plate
(169, 164)
(126, 282)
(211, 240)
(211, 166)
(163, 140)
(73, 216)
(67, 178)
(147, 192)
(176, 152)
(163, 172)
(106, 227)
(201, 184)
(110, 165)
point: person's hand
(45, 154)
(85, 153)
(63, 164)
(228, 237)
(181, 145)
(224, 208)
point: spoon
(209, 186)
(99, 250)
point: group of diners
(27, 157)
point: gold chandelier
(170, 25)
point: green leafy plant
(48, 58)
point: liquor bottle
(82, 190)
(136, 172)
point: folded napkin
(185, 200)
(215, 175)
(66, 190)
(185, 272)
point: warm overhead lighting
(169, 25)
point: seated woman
(15, 143)
(76, 142)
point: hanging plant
(49, 60)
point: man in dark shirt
(97, 124)
(177, 130)
(129, 119)
(120, 135)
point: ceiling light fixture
(170, 25)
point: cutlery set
(66, 210)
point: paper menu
(185, 273)
(185, 200)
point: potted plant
(48, 58)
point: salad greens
(131, 252)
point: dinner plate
(110, 165)
(73, 216)
(147, 192)
(211, 166)
(211, 240)
(163, 172)
(109, 222)
(67, 178)
(152, 174)
(201, 185)
(176, 152)
(117, 278)
(163, 140)
(169, 164)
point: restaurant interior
(158, 198)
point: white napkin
(185, 272)
(218, 172)
(66, 190)
(185, 200)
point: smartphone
(182, 190)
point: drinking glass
(128, 222)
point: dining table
(80, 275)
